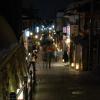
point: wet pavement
(64, 83)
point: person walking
(44, 56)
(33, 63)
(50, 52)
(65, 56)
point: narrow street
(34, 33)
(64, 83)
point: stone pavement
(64, 83)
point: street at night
(49, 50)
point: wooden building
(86, 15)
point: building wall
(88, 21)
(11, 10)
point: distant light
(50, 28)
(26, 58)
(54, 31)
(27, 33)
(29, 80)
(42, 26)
(77, 66)
(53, 26)
(42, 29)
(51, 37)
(29, 54)
(56, 45)
(37, 29)
(67, 41)
(72, 64)
(31, 33)
(63, 60)
(36, 36)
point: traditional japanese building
(84, 19)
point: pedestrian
(33, 63)
(65, 56)
(50, 54)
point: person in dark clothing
(65, 56)
(50, 51)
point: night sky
(47, 8)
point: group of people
(47, 55)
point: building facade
(84, 21)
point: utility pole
(90, 59)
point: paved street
(64, 83)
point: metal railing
(6, 60)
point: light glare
(27, 33)
(21, 96)
(72, 64)
(77, 66)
